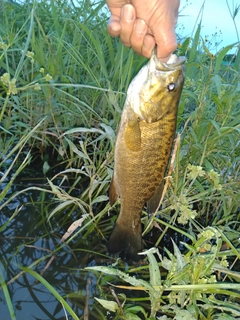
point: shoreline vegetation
(63, 81)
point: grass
(62, 88)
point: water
(28, 239)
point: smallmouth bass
(142, 148)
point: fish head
(157, 88)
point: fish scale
(142, 149)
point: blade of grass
(7, 296)
(52, 290)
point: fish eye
(171, 86)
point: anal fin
(153, 202)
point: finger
(163, 28)
(165, 39)
(148, 46)
(166, 46)
(127, 18)
(116, 5)
(138, 34)
(114, 26)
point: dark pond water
(29, 241)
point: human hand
(142, 24)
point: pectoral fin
(133, 136)
(153, 202)
(112, 192)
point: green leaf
(74, 149)
(124, 276)
(136, 309)
(82, 130)
(184, 315)
(167, 264)
(220, 56)
(224, 316)
(155, 276)
(180, 259)
(131, 316)
(109, 305)
(195, 44)
(237, 61)
(46, 167)
(100, 199)
(217, 81)
(110, 133)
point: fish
(142, 148)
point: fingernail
(140, 26)
(113, 26)
(128, 13)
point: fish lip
(163, 66)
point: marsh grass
(62, 88)
(62, 71)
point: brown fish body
(143, 146)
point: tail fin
(126, 239)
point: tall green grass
(61, 64)
(62, 86)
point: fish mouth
(173, 63)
